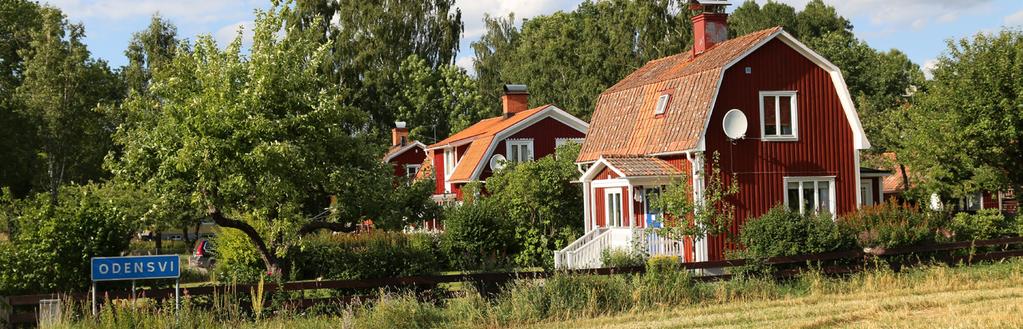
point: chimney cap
(712, 2)
(399, 124)
(515, 89)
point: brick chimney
(399, 134)
(710, 24)
(515, 99)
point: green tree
(62, 86)
(147, 51)
(261, 141)
(751, 17)
(17, 144)
(437, 102)
(966, 126)
(713, 214)
(568, 58)
(542, 202)
(370, 39)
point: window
(662, 104)
(653, 214)
(449, 161)
(411, 170)
(778, 120)
(867, 192)
(816, 194)
(520, 150)
(973, 202)
(558, 142)
(613, 206)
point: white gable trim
(405, 149)
(860, 141)
(550, 111)
(595, 169)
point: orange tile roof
(481, 135)
(623, 122)
(425, 169)
(641, 166)
(894, 183)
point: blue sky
(917, 27)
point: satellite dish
(497, 162)
(735, 124)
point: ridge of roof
(489, 127)
(616, 128)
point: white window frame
(558, 142)
(662, 104)
(411, 166)
(518, 142)
(450, 162)
(868, 184)
(776, 96)
(832, 204)
(609, 220)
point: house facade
(666, 120)
(519, 134)
(404, 155)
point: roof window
(662, 104)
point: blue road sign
(135, 268)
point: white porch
(586, 251)
(619, 214)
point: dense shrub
(985, 224)
(368, 255)
(782, 232)
(477, 235)
(892, 225)
(336, 256)
(621, 257)
(54, 245)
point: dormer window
(662, 104)
(778, 119)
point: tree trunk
(270, 260)
(158, 239)
(905, 178)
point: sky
(919, 28)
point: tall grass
(562, 297)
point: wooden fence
(5, 312)
(850, 261)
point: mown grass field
(980, 296)
(979, 304)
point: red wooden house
(801, 147)
(404, 155)
(519, 134)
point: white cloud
(915, 14)
(465, 62)
(1014, 19)
(225, 35)
(473, 11)
(190, 11)
(929, 66)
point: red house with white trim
(404, 155)
(801, 147)
(519, 134)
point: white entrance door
(613, 206)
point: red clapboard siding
(438, 170)
(825, 146)
(544, 134)
(598, 207)
(413, 156)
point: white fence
(586, 251)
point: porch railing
(586, 251)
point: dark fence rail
(857, 259)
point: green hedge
(893, 225)
(335, 256)
(781, 232)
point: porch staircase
(586, 251)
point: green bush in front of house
(982, 225)
(893, 225)
(477, 235)
(782, 232)
(328, 256)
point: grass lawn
(980, 296)
(959, 298)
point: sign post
(136, 268)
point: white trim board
(404, 149)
